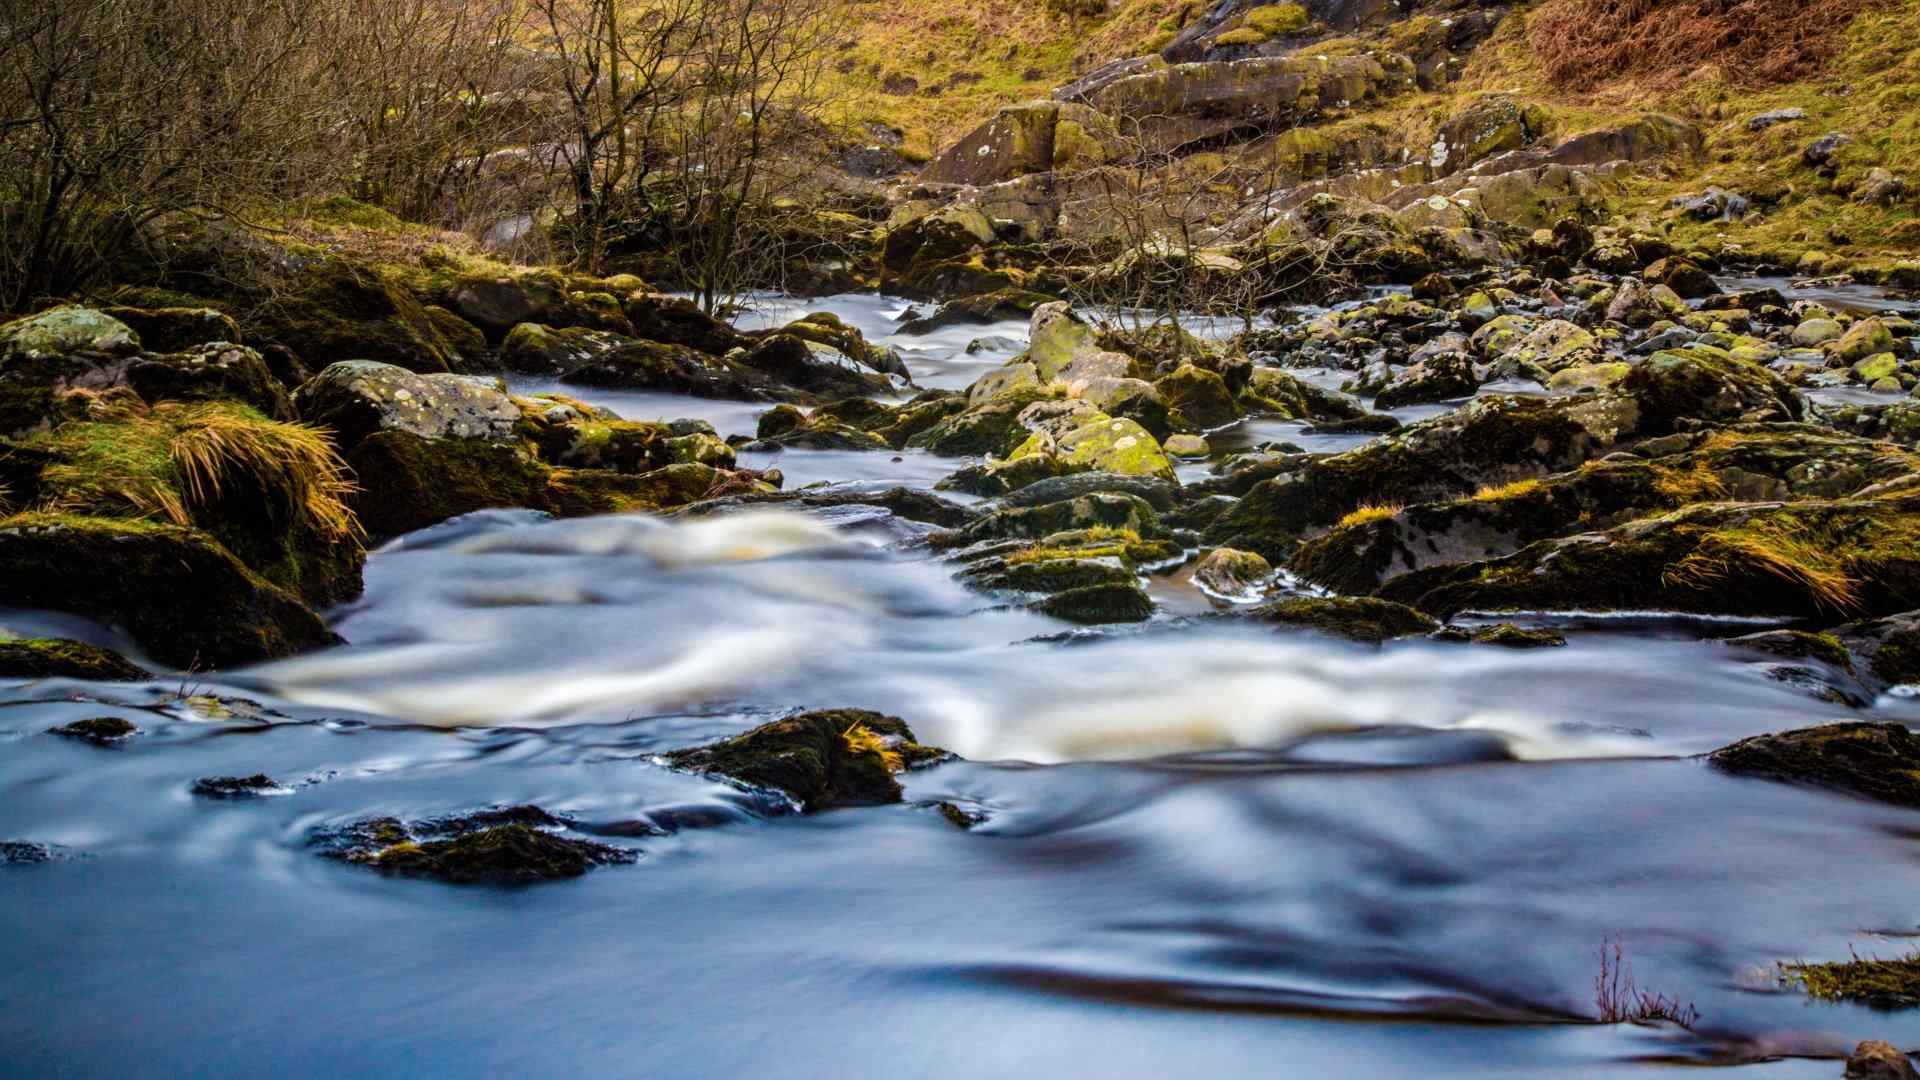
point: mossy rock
(64, 332)
(1126, 513)
(1878, 761)
(536, 349)
(821, 760)
(60, 658)
(174, 329)
(1104, 444)
(1362, 619)
(673, 320)
(1110, 602)
(1803, 559)
(1703, 384)
(359, 398)
(1505, 634)
(98, 730)
(1198, 398)
(1886, 650)
(183, 596)
(991, 427)
(517, 845)
(408, 482)
(1491, 440)
(338, 309)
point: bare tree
(115, 112)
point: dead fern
(1582, 43)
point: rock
(1821, 151)
(357, 398)
(823, 328)
(1884, 652)
(1232, 574)
(514, 846)
(1436, 374)
(58, 658)
(1683, 276)
(1505, 634)
(63, 332)
(1875, 1060)
(1759, 462)
(1880, 188)
(1488, 441)
(674, 320)
(1120, 512)
(1633, 305)
(212, 372)
(336, 309)
(999, 306)
(1362, 619)
(1112, 602)
(1704, 384)
(1877, 760)
(1198, 398)
(1186, 446)
(175, 329)
(1866, 338)
(1777, 116)
(98, 730)
(1056, 337)
(184, 597)
(1104, 444)
(1492, 124)
(821, 760)
(543, 350)
(1816, 332)
(236, 787)
(1799, 559)
(1714, 204)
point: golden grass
(1369, 512)
(1792, 552)
(1514, 490)
(861, 739)
(213, 446)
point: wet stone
(98, 730)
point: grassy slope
(1020, 49)
(970, 57)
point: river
(1207, 847)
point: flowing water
(1207, 846)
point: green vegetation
(1887, 984)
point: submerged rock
(236, 787)
(822, 760)
(98, 730)
(511, 846)
(59, 658)
(1879, 761)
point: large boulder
(1798, 560)
(1489, 441)
(335, 308)
(184, 597)
(356, 398)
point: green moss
(58, 658)
(1362, 619)
(1877, 760)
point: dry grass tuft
(1753, 42)
(213, 447)
(1787, 550)
(1369, 512)
(860, 739)
(1619, 1000)
(1493, 493)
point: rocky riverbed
(1035, 695)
